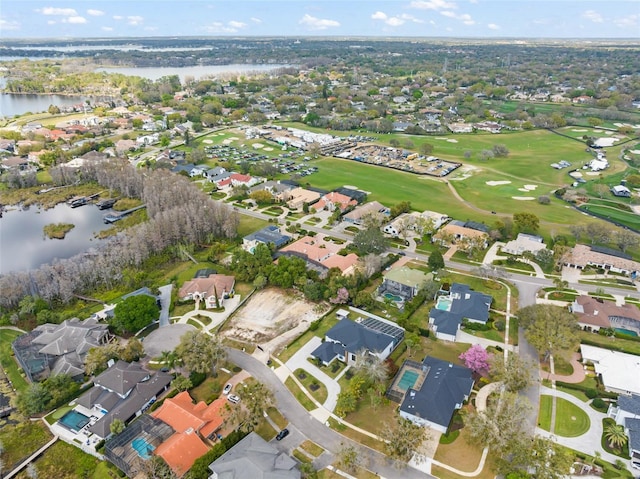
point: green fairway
(629, 219)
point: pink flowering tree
(477, 359)
(342, 296)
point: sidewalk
(230, 305)
(577, 376)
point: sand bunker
(257, 146)
(530, 187)
(575, 174)
(227, 141)
(497, 183)
(579, 131)
(523, 198)
(593, 173)
(451, 140)
(208, 142)
(635, 152)
(268, 148)
(603, 142)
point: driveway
(299, 361)
(317, 432)
(230, 305)
(589, 442)
(165, 339)
(165, 304)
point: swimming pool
(444, 303)
(628, 332)
(393, 297)
(74, 421)
(142, 447)
(407, 380)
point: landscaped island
(58, 230)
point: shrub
(591, 393)
(197, 378)
(500, 325)
(599, 403)
(314, 325)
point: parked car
(233, 399)
(282, 434)
(227, 389)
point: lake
(12, 105)
(198, 72)
(24, 246)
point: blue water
(628, 332)
(142, 447)
(74, 421)
(443, 304)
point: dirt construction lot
(269, 313)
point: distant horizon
(388, 19)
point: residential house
(334, 200)
(221, 179)
(276, 188)
(402, 282)
(619, 372)
(524, 243)
(213, 172)
(254, 458)
(369, 334)
(608, 259)
(371, 209)
(125, 146)
(268, 235)
(52, 349)
(621, 190)
(435, 219)
(444, 389)
(297, 197)
(358, 195)
(465, 235)
(458, 304)
(17, 163)
(238, 179)
(123, 391)
(596, 313)
(399, 224)
(460, 127)
(321, 254)
(193, 425)
(214, 290)
(626, 412)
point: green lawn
(624, 345)
(571, 421)
(249, 224)
(7, 359)
(210, 388)
(544, 416)
(623, 217)
(299, 394)
(320, 394)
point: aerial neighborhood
(350, 267)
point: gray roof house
(255, 458)
(122, 392)
(346, 339)
(268, 234)
(52, 349)
(445, 388)
(627, 413)
(452, 306)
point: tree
(200, 352)
(363, 299)
(132, 351)
(350, 458)
(477, 359)
(181, 383)
(34, 399)
(544, 199)
(403, 439)
(600, 189)
(526, 222)
(614, 433)
(539, 455)
(134, 313)
(597, 232)
(550, 329)
(262, 197)
(412, 340)
(97, 358)
(256, 398)
(515, 373)
(435, 261)
(370, 367)
(426, 148)
(500, 151)
(117, 426)
(625, 239)
(503, 422)
(370, 241)
(169, 359)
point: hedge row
(589, 392)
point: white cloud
(256, 20)
(9, 25)
(592, 15)
(134, 20)
(77, 20)
(464, 17)
(318, 23)
(395, 21)
(66, 12)
(51, 22)
(237, 25)
(107, 29)
(95, 13)
(379, 16)
(433, 5)
(230, 27)
(493, 26)
(118, 17)
(630, 21)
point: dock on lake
(117, 216)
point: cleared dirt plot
(269, 313)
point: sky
(332, 18)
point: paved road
(312, 429)
(165, 304)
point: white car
(233, 399)
(227, 389)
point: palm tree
(614, 433)
(169, 359)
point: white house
(524, 242)
(621, 190)
(627, 413)
(620, 372)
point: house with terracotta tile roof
(334, 200)
(193, 425)
(596, 313)
(321, 255)
(213, 289)
(462, 235)
(608, 259)
(297, 197)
